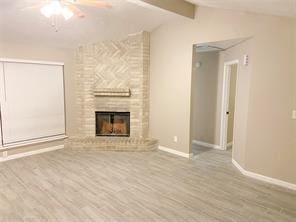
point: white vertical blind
(32, 101)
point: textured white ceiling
(271, 7)
(30, 26)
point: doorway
(218, 95)
(228, 104)
(213, 94)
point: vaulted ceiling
(125, 17)
(30, 26)
(270, 7)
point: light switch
(294, 114)
(246, 60)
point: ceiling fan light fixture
(56, 8)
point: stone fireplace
(113, 77)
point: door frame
(225, 102)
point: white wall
(171, 60)
(204, 96)
(268, 140)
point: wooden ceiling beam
(180, 7)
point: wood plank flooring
(93, 186)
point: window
(32, 101)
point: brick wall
(111, 65)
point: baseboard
(170, 150)
(209, 145)
(30, 153)
(264, 178)
(33, 142)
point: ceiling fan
(68, 8)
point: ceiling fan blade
(94, 3)
(76, 11)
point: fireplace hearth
(116, 124)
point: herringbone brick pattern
(112, 68)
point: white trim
(209, 145)
(30, 153)
(170, 150)
(225, 103)
(232, 62)
(31, 61)
(264, 178)
(32, 142)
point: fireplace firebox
(113, 124)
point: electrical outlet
(175, 139)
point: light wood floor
(72, 186)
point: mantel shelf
(112, 92)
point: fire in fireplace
(113, 124)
